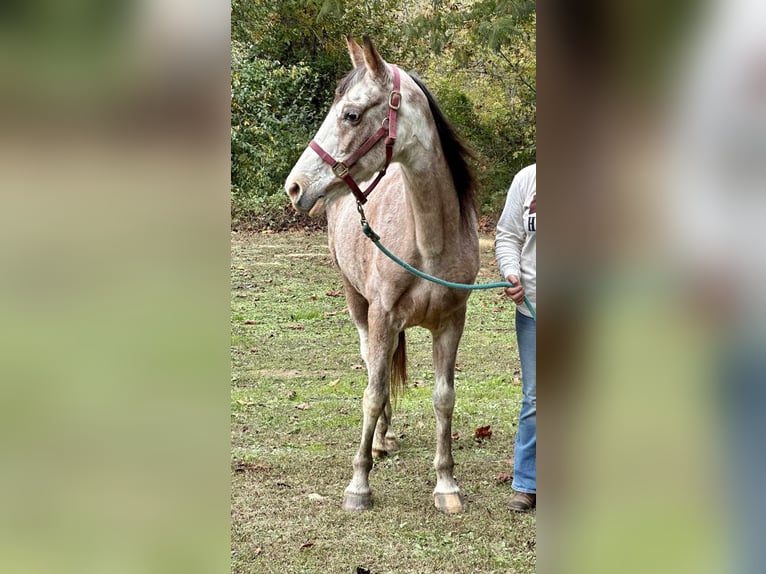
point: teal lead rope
(375, 238)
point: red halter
(340, 168)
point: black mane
(456, 153)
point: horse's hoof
(450, 503)
(378, 453)
(353, 502)
(391, 445)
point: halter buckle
(340, 170)
(394, 94)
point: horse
(424, 210)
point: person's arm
(509, 239)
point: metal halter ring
(340, 170)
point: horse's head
(348, 134)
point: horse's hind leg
(447, 496)
(358, 308)
(384, 441)
(358, 496)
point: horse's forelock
(349, 80)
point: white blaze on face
(311, 176)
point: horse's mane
(456, 153)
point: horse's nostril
(294, 191)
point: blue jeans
(525, 449)
(742, 389)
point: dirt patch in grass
(296, 418)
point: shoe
(523, 501)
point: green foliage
(273, 116)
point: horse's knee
(444, 400)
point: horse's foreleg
(384, 440)
(447, 495)
(358, 496)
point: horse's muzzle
(303, 202)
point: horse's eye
(351, 116)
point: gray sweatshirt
(515, 240)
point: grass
(296, 389)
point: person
(515, 251)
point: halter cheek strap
(341, 168)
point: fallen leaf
(258, 551)
(419, 383)
(421, 425)
(455, 435)
(333, 383)
(313, 297)
(307, 545)
(296, 327)
(291, 395)
(316, 497)
(516, 381)
(482, 433)
(249, 322)
(302, 406)
(253, 349)
(330, 313)
(334, 293)
(504, 477)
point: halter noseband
(341, 168)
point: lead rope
(375, 238)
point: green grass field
(297, 382)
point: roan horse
(424, 211)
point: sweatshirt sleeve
(510, 233)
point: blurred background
(114, 173)
(652, 141)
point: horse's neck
(432, 202)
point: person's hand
(515, 293)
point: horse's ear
(375, 64)
(355, 51)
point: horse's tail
(399, 368)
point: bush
(273, 116)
